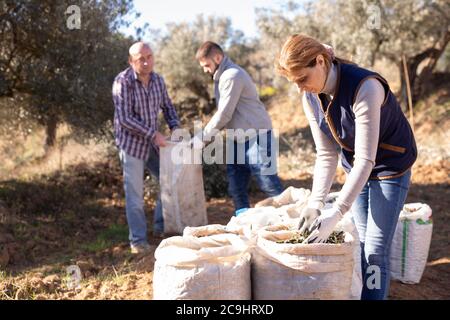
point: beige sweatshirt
(238, 103)
(366, 108)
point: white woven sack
(182, 193)
(300, 271)
(215, 267)
(411, 243)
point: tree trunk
(51, 126)
(402, 93)
(373, 56)
(50, 130)
(420, 82)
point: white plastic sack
(347, 224)
(300, 271)
(293, 210)
(182, 193)
(411, 243)
(285, 209)
(208, 230)
(213, 267)
(289, 196)
(248, 224)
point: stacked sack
(348, 224)
(206, 263)
(248, 224)
(411, 243)
(296, 271)
(289, 197)
(213, 262)
(284, 212)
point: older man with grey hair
(139, 95)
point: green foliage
(364, 31)
(215, 180)
(52, 74)
(55, 74)
(404, 27)
(190, 89)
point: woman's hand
(307, 217)
(323, 226)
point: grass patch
(114, 234)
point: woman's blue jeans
(376, 212)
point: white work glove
(307, 217)
(324, 225)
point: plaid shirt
(136, 112)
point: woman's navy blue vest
(397, 149)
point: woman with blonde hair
(353, 113)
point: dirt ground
(435, 283)
(113, 273)
(91, 232)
